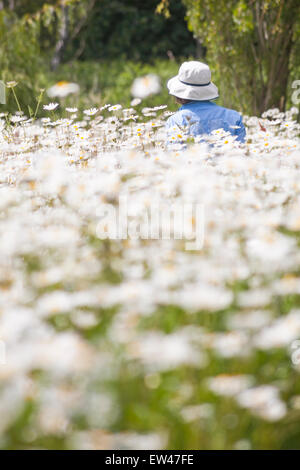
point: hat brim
(190, 92)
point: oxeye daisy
(105, 107)
(62, 89)
(146, 86)
(50, 106)
(91, 111)
(158, 108)
(11, 84)
(115, 107)
(16, 119)
(136, 101)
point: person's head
(181, 101)
(193, 83)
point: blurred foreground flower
(62, 89)
(97, 334)
(264, 402)
(146, 86)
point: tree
(250, 44)
(66, 32)
(132, 30)
(59, 21)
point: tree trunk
(63, 39)
(200, 49)
(273, 41)
(276, 88)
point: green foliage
(100, 83)
(20, 58)
(28, 35)
(252, 48)
(110, 81)
(250, 45)
(133, 30)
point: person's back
(198, 115)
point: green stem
(38, 104)
(17, 101)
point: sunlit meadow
(140, 343)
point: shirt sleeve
(240, 132)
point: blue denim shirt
(202, 117)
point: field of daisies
(139, 343)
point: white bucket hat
(193, 82)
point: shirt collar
(200, 102)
